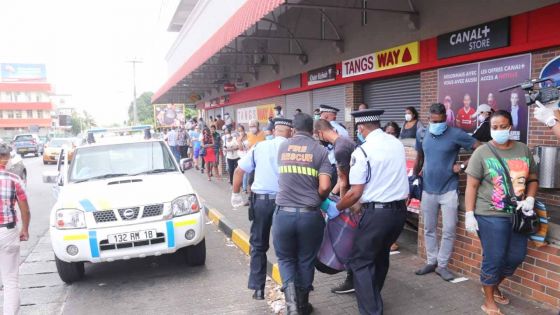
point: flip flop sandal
(499, 298)
(491, 312)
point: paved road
(142, 286)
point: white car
(120, 201)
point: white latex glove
(470, 222)
(545, 113)
(237, 200)
(527, 206)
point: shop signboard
(22, 72)
(476, 38)
(261, 113)
(395, 57)
(321, 75)
(461, 88)
(551, 70)
(169, 115)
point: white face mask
(481, 118)
(253, 129)
(407, 117)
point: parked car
(123, 200)
(27, 143)
(52, 149)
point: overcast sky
(85, 45)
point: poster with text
(498, 74)
(458, 91)
(462, 88)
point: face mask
(500, 136)
(481, 118)
(361, 138)
(269, 137)
(253, 129)
(438, 128)
(316, 117)
(408, 117)
(324, 143)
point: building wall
(538, 277)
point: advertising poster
(21, 72)
(169, 115)
(458, 91)
(498, 74)
(462, 88)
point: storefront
(462, 69)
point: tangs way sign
(481, 37)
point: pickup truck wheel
(196, 255)
(69, 272)
(22, 155)
(36, 154)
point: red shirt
(464, 119)
(11, 190)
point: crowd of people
(311, 158)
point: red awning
(26, 105)
(250, 13)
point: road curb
(240, 239)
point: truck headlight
(70, 219)
(185, 205)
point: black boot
(291, 299)
(304, 307)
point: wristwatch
(551, 122)
(463, 167)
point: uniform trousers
(9, 268)
(377, 230)
(297, 237)
(260, 240)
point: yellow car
(53, 147)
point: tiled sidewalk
(404, 292)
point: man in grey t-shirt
(437, 155)
(297, 227)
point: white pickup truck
(123, 200)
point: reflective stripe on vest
(296, 169)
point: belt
(382, 205)
(9, 226)
(265, 196)
(301, 209)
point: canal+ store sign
(477, 38)
(395, 57)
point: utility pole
(134, 111)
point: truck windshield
(97, 162)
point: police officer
(328, 113)
(263, 160)
(297, 227)
(378, 180)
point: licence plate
(131, 236)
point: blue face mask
(361, 138)
(500, 136)
(269, 137)
(438, 128)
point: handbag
(520, 223)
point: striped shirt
(11, 191)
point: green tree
(144, 109)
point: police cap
(367, 115)
(282, 122)
(328, 109)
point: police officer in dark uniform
(379, 182)
(297, 226)
(263, 160)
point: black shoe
(426, 270)
(304, 307)
(345, 287)
(291, 299)
(445, 274)
(258, 295)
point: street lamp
(134, 111)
